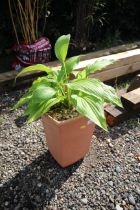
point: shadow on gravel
(33, 187)
(20, 121)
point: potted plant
(73, 106)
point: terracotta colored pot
(69, 140)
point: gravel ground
(108, 178)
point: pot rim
(59, 123)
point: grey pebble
(84, 200)
(137, 190)
(6, 203)
(118, 207)
(131, 199)
(39, 184)
(103, 192)
(137, 170)
(118, 169)
(131, 207)
(127, 181)
(111, 183)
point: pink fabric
(38, 52)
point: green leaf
(110, 95)
(91, 108)
(35, 112)
(98, 65)
(43, 92)
(31, 108)
(61, 74)
(25, 98)
(71, 63)
(82, 74)
(38, 67)
(67, 68)
(43, 81)
(61, 47)
(97, 89)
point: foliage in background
(112, 20)
(86, 95)
(90, 17)
(102, 22)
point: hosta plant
(84, 94)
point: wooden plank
(117, 72)
(131, 100)
(125, 65)
(115, 115)
(122, 59)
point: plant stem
(69, 97)
(68, 91)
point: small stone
(82, 175)
(47, 191)
(84, 201)
(131, 207)
(111, 183)
(114, 173)
(131, 199)
(123, 203)
(108, 140)
(138, 206)
(103, 192)
(137, 170)
(55, 198)
(110, 145)
(111, 206)
(39, 184)
(137, 191)
(111, 199)
(118, 169)
(1, 185)
(6, 203)
(127, 181)
(39, 177)
(118, 207)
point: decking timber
(127, 62)
(113, 73)
(131, 100)
(131, 103)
